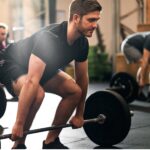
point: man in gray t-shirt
(136, 47)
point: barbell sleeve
(100, 119)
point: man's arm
(28, 93)
(144, 67)
(82, 79)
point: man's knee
(38, 99)
(40, 96)
(71, 89)
(77, 91)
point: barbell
(106, 129)
(110, 119)
(118, 118)
(100, 119)
(126, 85)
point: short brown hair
(83, 7)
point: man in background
(136, 48)
(3, 35)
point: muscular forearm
(144, 68)
(26, 98)
(84, 86)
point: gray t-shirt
(139, 40)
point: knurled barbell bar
(109, 128)
(100, 119)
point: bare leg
(64, 86)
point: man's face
(88, 23)
(3, 34)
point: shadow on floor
(111, 147)
(140, 108)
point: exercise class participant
(33, 65)
(136, 47)
(3, 35)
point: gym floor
(137, 138)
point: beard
(85, 31)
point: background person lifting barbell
(4, 41)
(136, 48)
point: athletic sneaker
(20, 146)
(54, 145)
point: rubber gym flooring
(137, 138)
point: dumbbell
(126, 85)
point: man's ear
(76, 18)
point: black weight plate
(124, 79)
(118, 118)
(3, 102)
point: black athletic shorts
(12, 71)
